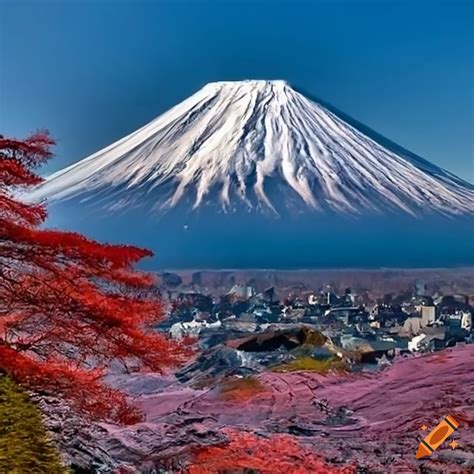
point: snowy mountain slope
(260, 145)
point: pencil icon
(436, 438)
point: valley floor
(371, 421)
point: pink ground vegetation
(371, 420)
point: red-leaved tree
(69, 305)
(247, 452)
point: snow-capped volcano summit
(254, 174)
(259, 145)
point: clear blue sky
(93, 71)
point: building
(466, 321)
(192, 328)
(428, 315)
(250, 291)
(412, 326)
(313, 299)
(242, 291)
(417, 343)
(345, 314)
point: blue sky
(93, 71)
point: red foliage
(70, 305)
(279, 454)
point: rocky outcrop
(216, 364)
(82, 443)
(288, 339)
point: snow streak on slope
(231, 142)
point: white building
(191, 328)
(466, 320)
(416, 343)
(428, 315)
(312, 299)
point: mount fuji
(254, 173)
